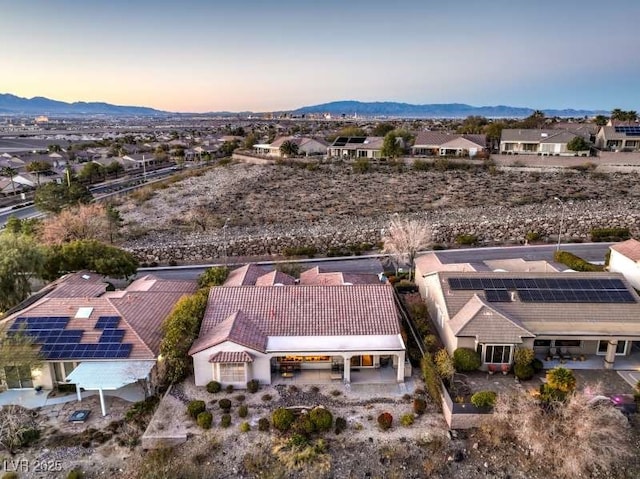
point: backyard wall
(460, 416)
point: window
(542, 343)
(497, 353)
(621, 348)
(568, 343)
(364, 361)
(232, 372)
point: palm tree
(561, 379)
(9, 172)
(289, 148)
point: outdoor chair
(553, 353)
(564, 353)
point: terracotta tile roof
(247, 275)
(154, 284)
(275, 277)
(314, 276)
(79, 285)
(629, 248)
(436, 139)
(300, 311)
(237, 327)
(231, 357)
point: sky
(259, 55)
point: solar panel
(107, 322)
(112, 336)
(497, 295)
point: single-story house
(625, 259)
(356, 147)
(306, 146)
(264, 325)
(139, 161)
(437, 143)
(623, 137)
(91, 337)
(555, 313)
(548, 142)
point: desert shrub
(430, 342)
(245, 427)
(195, 407)
(575, 262)
(240, 397)
(419, 406)
(484, 399)
(75, 474)
(407, 419)
(266, 397)
(431, 379)
(282, 419)
(308, 251)
(341, 425)
(533, 236)
(385, 421)
(243, 411)
(537, 365)
(225, 404)
(421, 165)
(214, 387)
(263, 424)
(361, 165)
(561, 379)
(141, 411)
(225, 420)
(466, 359)
(523, 372)
(466, 239)
(444, 364)
(335, 392)
(304, 425)
(406, 286)
(321, 418)
(229, 388)
(294, 389)
(204, 420)
(609, 234)
(253, 386)
(523, 356)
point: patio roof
(109, 375)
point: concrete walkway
(32, 399)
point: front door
(18, 377)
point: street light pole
(561, 221)
(224, 239)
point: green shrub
(341, 425)
(431, 379)
(308, 251)
(225, 420)
(214, 276)
(214, 387)
(229, 388)
(196, 407)
(524, 356)
(466, 239)
(466, 359)
(575, 262)
(406, 286)
(243, 411)
(74, 474)
(524, 372)
(533, 236)
(609, 234)
(204, 420)
(537, 365)
(444, 364)
(245, 427)
(483, 399)
(419, 406)
(263, 424)
(321, 418)
(361, 165)
(225, 404)
(140, 411)
(561, 379)
(407, 419)
(253, 386)
(266, 397)
(385, 421)
(421, 165)
(282, 419)
(240, 397)
(430, 342)
(304, 425)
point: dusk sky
(275, 55)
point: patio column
(610, 358)
(400, 371)
(102, 406)
(78, 392)
(347, 369)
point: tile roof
(536, 136)
(246, 275)
(436, 139)
(300, 311)
(315, 276)
(231, 357)
(79, 285)
(275, 277)
(238, 328)
(629, 248)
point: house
(549, 142)
(91, 337)
(356, 147)
(436, 143)
(558, 314)
(263, 325)
(622, 137)
(625, 259)
(306, 146)
(139, 161)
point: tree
(250, 140)
(536, 120)
(392, 146)
(52, 197)
(289, 148)
(228, 147)
(114, 219)
(600, 120)
(17, 349)
(90, 171)
(9, 172)
(404, 238)
(351, 131)
(494, 131)
(21, 259)
(381, 129)
(53, 148)
(114, 168)
(561, 379)
(578, 144)
(473, 124)
(81, 222)
(214, 276)
(38, 167)
(621, 115)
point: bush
(245, 427)
(225, 404)
(483, 399)
(419, 406)
(561, 379)
(229, 389)
(240, 397)
(282, 419)
(406, 286)
(533, 236)
(609, 234)
(575, 262)
(266, 397)
(263, 424)
(523, 356)
(430, 342)
(431, 379)
(361, 165)
(243, 411)
(524, 372)
(225, 420)
(304, 425)
(341, 425)
(321, 418)
(466, 359)
(421, 165)
(204, 420)
(196, 407)
(466, 239)
(214, 276)
(444, 365)
(537, 365)
(385, 421)
(214, 387)
(407, 419)
(253, 386)
(73, 474)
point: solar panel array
(349, 140)
(548, 290)
(628, 130)
(60, 343)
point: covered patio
(382, 375)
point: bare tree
(404, 238)
(82, 222)
(17, 427)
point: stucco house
(356, 147)
(623, 137)
(493, 311)
(265, 326)
(549, 142)
(625, 259)
(437, 143)
(306, 146)
(93, 338)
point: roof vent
(86, 276)
(513, 295)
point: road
(372, 264)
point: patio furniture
(564, 353)
(553, 352)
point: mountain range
(11, 104)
